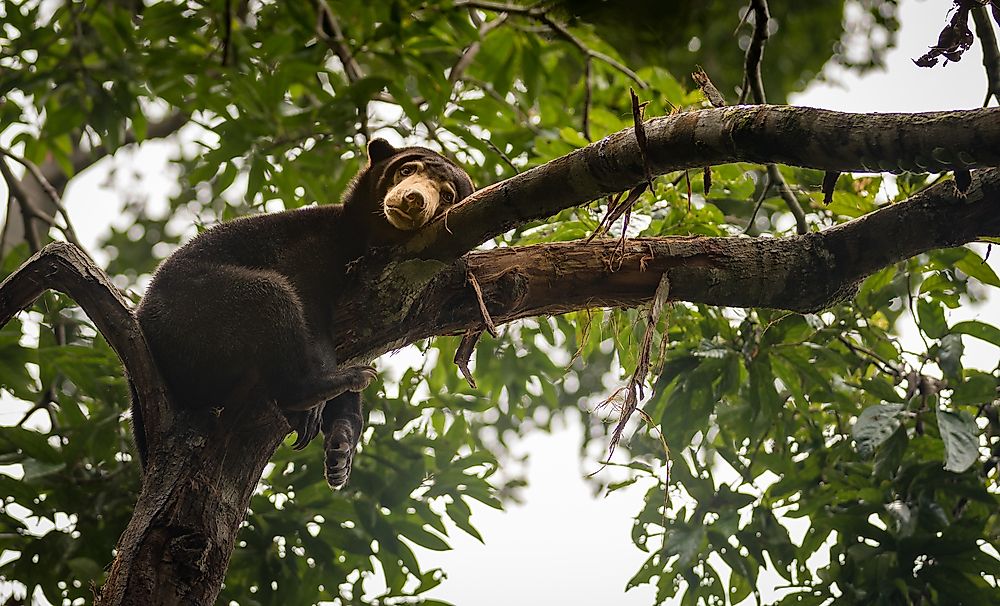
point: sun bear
(247, 306)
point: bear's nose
(414, 199)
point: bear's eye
(408, 170)
(448, 196)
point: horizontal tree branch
(799, 273)
(798, 136)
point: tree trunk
(195, 494)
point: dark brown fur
(247, 306)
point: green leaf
(889, 457)
(460, 513)
(684, 541)
(421, 536)
(979, 330)
(31, 443)
(881, 389)
(961, 439)
(978, 388)
(950, 355)
(931, 318)
(874, 426)
(35, 469)
(974, 266)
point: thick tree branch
(800, 273)
(798, 136)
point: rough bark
(203, 468)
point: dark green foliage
(790, 436)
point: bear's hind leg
(343, 422)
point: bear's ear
(380, 149)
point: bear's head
(407, 187)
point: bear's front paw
(360, 376)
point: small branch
(758, 203)
(542, 15)
(588, 94)
(50, 191)
(464, 353)
(469, 54)
(485, 313)
(786, 193)
(884, 365)
(752, 81)
(227, 32)
(336, 42)
(715, 98)
(502, 155)
(991, 54)
(635, 390)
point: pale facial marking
(416, 197)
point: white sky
(563, 545)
